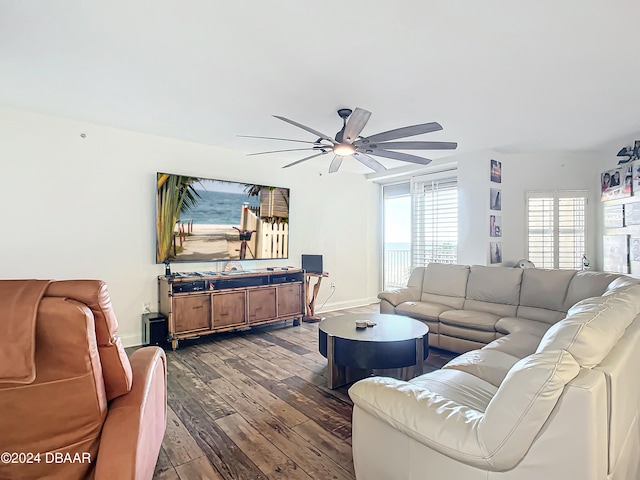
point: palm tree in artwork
(176, 194)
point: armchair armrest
(136, 422)
(400, 295)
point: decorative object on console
(349, 142)
(233, 267)
(200, 219)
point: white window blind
(434, 227)
(556, 229)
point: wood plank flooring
(255, 405)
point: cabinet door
(192, 313)
(290, 299)
(262, 304)
(229, 308)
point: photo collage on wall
(495, 216)
(621, 249)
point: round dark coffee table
(395, 346)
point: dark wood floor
(255, 405)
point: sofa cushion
(518, 344)
(593, 326)
(445, 284)
(521, 406)
(421, 310)
(545, 288)
(490, 365)
(494, 285)
(509, 325)
(480, 336)
(470, 319)
(585, 284)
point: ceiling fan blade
(414, 145)
(288, 150)
(304, 160)
(283, 139)
(357, 120)
(367, 161)
(405, 157)
(309, 129)
(401, 132)
(335, 164)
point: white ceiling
(508, 75)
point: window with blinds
(434, 222)
(556, 229)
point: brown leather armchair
(72, 405)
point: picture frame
(495, 225)
(634, 255)
(496, 171)
(632, 214)
(614, 216)
(495, 252)
(495, 199)
(616, 183)
(615, 253)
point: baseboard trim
(330, 307)
(134, 340)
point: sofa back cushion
(593, 326)
(543, 294)
(585, 284)
(521, 406)
(445, 284)
(493, 290)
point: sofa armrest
(496, 439)
(400, 295)
(136, 422)
(429, 418)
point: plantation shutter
(556, 229)
(434, 229)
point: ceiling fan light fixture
(344, 149)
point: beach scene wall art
(201, 219)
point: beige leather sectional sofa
(554, 393)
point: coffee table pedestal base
(340, 375)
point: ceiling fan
(349, 142)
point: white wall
(520, 173)
(85, 208)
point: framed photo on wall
(634, 255)
(635, 179)
(496, 171)
(614, 216)
(495, 225)
(495, 199)
(616, 253)
(632, 214)
(495, 252)
(616, 183)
